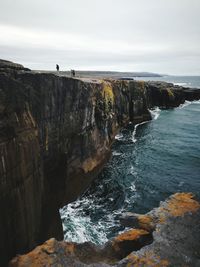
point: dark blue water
(149, 162)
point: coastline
(55, 133)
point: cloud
(132, 35)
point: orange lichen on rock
(89, 164)
(146, 222)
(132, 234)
(148, 259)
(49, 246)
(107, 91)
(170, 93)
(130, 240)
(40, 256)
(181, 203)
(141, 85)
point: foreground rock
(166, 236)
(55, 136)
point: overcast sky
(160, 36)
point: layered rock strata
(55, 136)
(166, 236)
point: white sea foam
(119, 136)
(79, 228)
(133, 171)
(187, 103)
(134, 133)
(133, 187)
(115, 153)
(133, 138)
(155, 113)
(182, 84)
(196, 102)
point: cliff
(55, 136)
(166, 236)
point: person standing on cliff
(72, 73)
(57, 67)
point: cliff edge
(55, 135)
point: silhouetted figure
(72, 73)
(57, 67)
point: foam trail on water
(182, 84)
(134, 133)
(155, 113)
(187, 103)
(196, 102)
(135, 130)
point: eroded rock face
(176, 233)
(166, 236)
(55, 136)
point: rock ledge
(167, 236)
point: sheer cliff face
(55, 136)
(21, 177)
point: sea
(150, 161)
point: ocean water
(186, 81)
(150, 161)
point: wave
(78, 227)
(196, 102)
(155, 113)
(119, 137)
(135, 130)
(182, 84)
(187, 103)
(115, 153)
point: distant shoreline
(105, 74)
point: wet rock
(137, 220)
(174, 241)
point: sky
(161, 36)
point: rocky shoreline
(56, 134)
(166, 236)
